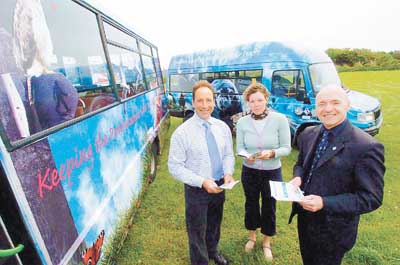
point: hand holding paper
(229, 186)
(283, 191)
(247, 155)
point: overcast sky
(177, 27)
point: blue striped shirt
(188, 159)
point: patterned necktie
(215, 159)
(318, 153)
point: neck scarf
(260, 116)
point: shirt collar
(335, 130)
(200, 121)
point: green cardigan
(275, 135)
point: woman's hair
(202, 83)
(254, 88)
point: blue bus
(292, 74)
(83, 116)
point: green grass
(158, 234)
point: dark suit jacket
(348, 177)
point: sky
(178, 27)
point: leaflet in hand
(229, 186)
(247, 155)
(283, 191)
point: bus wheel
(153, 163)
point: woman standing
(267, 134)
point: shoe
(249, 245)
(220, 260)
(268, 253)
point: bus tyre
(153, 163)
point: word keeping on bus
(52, 176)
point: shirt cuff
(328, 202)
(230, 172)
(199, 182)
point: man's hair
(202, 83)
(254, 88)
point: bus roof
(253, 54)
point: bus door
(288, 96)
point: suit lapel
(336, 146)
(330, 152)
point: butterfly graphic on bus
(91, 256)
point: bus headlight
(298, 111)
(365, 117)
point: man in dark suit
(340, 168)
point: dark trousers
(203, 222)
(317, 244)
(256, 182)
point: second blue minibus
(292, 74)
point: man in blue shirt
(201, 156)
(340, 168)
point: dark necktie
(215, 158)
(318, 153)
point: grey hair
(31, 34)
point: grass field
(158, 235)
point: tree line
(364, 59)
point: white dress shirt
(188, 159)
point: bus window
(127, 71)
(323, 74)
(224, 75)
(207, 76)
(240, 79)
(247, 77)
(78, 46)
(183, 83)
(159, 72)
(119, 37)
(154, 52)
(125, 60)
(150, 72)
(53, 62)
(157, 65)
(288, 83)
(145, 49)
